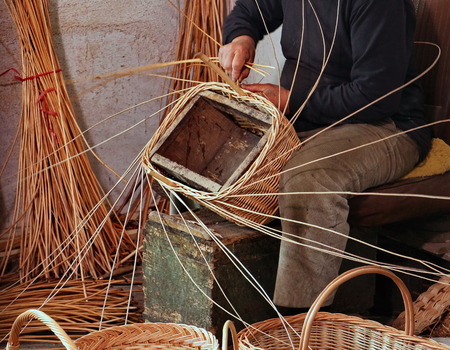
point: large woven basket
(154, 336)
(335, 331)
(253, 196)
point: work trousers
(314, 203)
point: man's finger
(237, 66)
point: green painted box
(188, 277)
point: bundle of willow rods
(64, 227)
(77, 307)
(200, 31)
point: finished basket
(321, 331)
(152, 336)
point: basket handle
(407, 300)
(26, 316)
(229, 327)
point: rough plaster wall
(91, 38)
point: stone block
(185, 270)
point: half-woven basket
(320, 331)
(253, 196)
(429, 306)
(154, 336)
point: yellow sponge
(436, 162)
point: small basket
(253, 194)
(324, 330)
(154, 336)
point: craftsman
(370, 48)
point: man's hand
(233, 56)
(278, 95)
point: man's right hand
(235, 55)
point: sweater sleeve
(254, 18)
(381, 43)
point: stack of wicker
(65, 228)
(60, 213)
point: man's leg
(304, 272)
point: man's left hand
(276, 94)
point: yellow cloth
(436, 162)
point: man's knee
(298, 176)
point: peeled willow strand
(54, 203)
(107, 77)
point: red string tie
(44, 108)
(19, 78)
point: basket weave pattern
(330, 331)
(254, 195)
(429, 306)
(149, 336)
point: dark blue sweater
(371, 56)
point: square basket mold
(212, 142)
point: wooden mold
(212, 142)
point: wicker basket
(253, 195)
(155, 336)
(429, 307)
(334, 331)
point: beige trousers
(321, 170)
